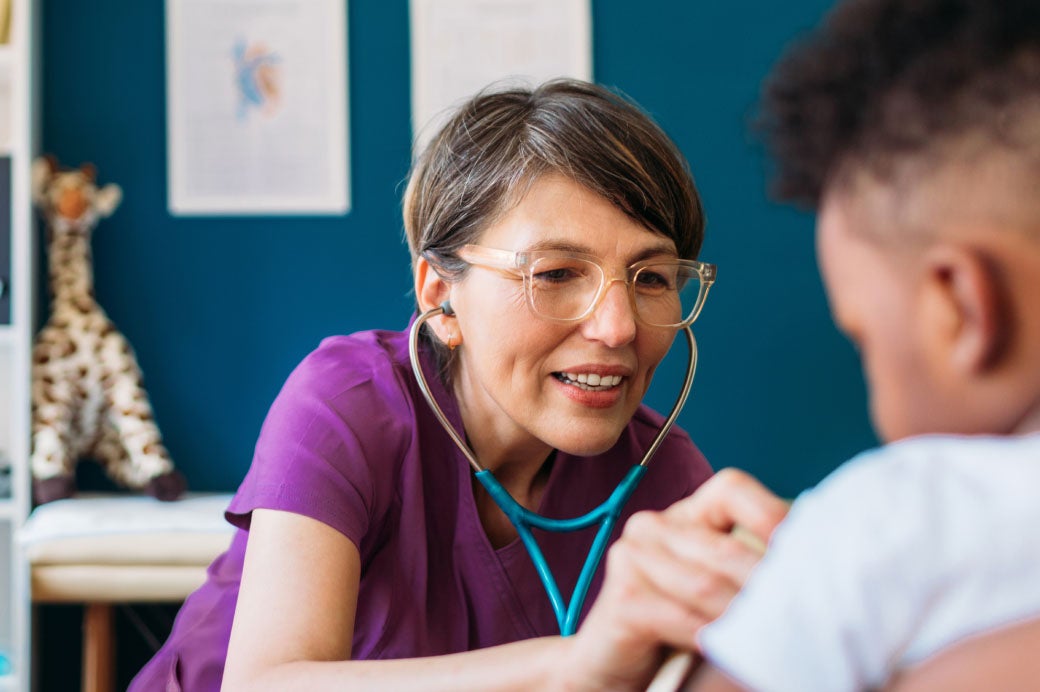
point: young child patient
(914, 128)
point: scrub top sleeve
(325, 450)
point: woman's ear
(431, 290)
(964, 308)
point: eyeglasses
(568, 286)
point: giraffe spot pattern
(88, 397)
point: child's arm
(1005, 659)
(882, 566)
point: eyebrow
(664, 248)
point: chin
(901, 430)
(576, 444)
(886, 433)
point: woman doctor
(553, 222)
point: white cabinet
(17, 147)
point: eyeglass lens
(565, 288)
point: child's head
(913, 126)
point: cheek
(489, 313)
(886, 411)
(496, 300)
(898, 382)
(514, 348)
(513, 302)
(654, 346)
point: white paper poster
(461, 46)
(257, 106)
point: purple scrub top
(350, 441)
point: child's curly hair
(885, 81)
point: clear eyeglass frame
(523, 265)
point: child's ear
(431, 290)
(963, 308)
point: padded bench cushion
(124, 547)
(132, 529)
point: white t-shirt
(901, 552)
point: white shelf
(8, 69)
(19, 91)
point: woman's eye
(555, 276)
(653, 280)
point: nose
(613, 322)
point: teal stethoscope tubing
(606, 514)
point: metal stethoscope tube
(606, 514)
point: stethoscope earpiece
(447, 309)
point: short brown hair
(500, 141)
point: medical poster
(257, 107)
(461, 46)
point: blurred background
(220, 309)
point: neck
(1030, 422)
(1020, 262)
(71, 276)
(518, 465)
(524, 480)
(519, 461)
(499, 529)
(509, 451)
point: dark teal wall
(220, 309)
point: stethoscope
(523, 519)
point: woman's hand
(669, 574)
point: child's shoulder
(942, 494)
(928, 463)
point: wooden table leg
(98, 648)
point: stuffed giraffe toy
(88, 400)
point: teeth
(591, 381)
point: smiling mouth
(590, 382)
